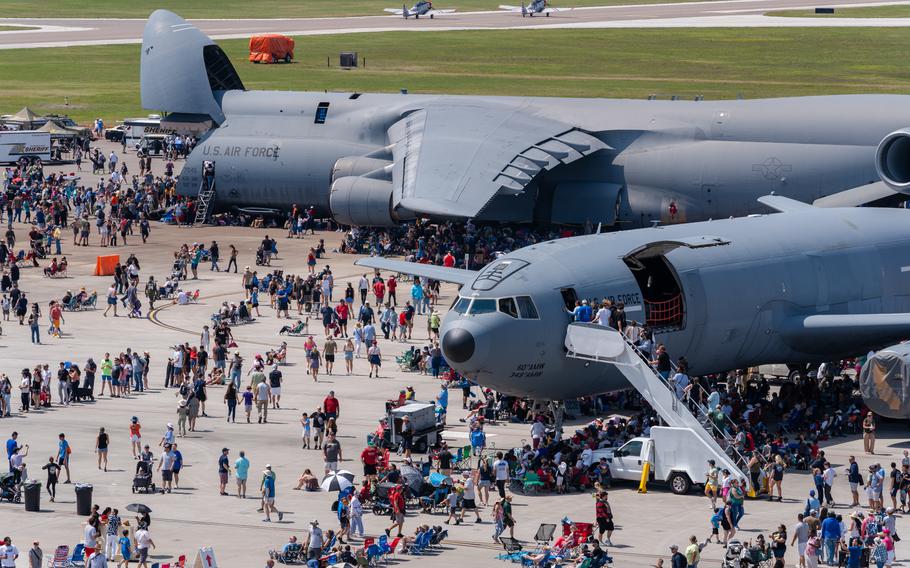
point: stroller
(734, 558)
(382, 504)
(142, 482)
(260, 257)
(9, 487)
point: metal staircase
(204, 201)
(605, 345)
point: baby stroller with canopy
(142, 482)
(9, 487)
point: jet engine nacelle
(356, 200)
(357, 166)
(892, 160)
(884, 381)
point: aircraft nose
(458, 345)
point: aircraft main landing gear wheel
(547, 14)
(431, 16)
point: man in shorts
(223, 469)
(275, 386)
(166, 467)
(263, 391)
(143, 541)
(268, 496)
(331, 451)
(370, 459)
(241, 470)
(107, 367)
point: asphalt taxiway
(62, 32)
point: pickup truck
(678, 458)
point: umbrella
(411, 477)
(139, 508)
(335, 482)
(437, 479)
(345, 474)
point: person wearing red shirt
(341, 310)
(370, 459)
(391, 286)
(379, 291)
(331, 406)
(448, 260)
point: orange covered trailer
(271, 48)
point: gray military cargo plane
(533, 7)
(422, 8)
(804, 285)
(377, 159)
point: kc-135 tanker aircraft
(377, 159)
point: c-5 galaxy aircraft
(371, 159)
(803, 285)
(533, 7)
(422, 8)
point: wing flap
(443, 273)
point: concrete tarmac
(196, 515)
(722, 13)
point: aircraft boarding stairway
(605, 345)
(204, 201)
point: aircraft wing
(455, 275)
(552, 10)
(856, 196)
(451, 158)
(508, 8)
(442, 12)
(396, 11)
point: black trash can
(33, 496)
(83, 499)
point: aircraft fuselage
(741, 302)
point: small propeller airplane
(534, 7)
(421, 8)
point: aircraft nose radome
(458, 345)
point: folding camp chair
(512, 549)
(544, 536)
(61, 557)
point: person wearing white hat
(168, 437)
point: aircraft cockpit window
(483, 306)
(527, 308)
(507, 306)
(322, 111)
(461, 306)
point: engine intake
(356, 200)
(892, 160)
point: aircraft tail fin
(175, 52)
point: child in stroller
(9, 487)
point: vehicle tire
(274, 59)
(287, 58)
(679, 483)
(794, 375)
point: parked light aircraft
(533, 7)
(379, 159)
(804, 285)
(422, 8)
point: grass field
(718, 63)
(17, 28)
(901, 11)
(247, 9)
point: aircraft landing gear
(431, 16)
(559, 410)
